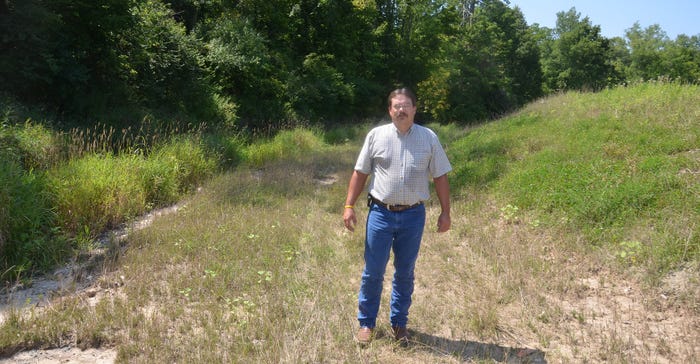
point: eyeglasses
(404, 106)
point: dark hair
(402, 91)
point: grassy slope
(257, 267)
(620, 166)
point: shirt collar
(408, 132)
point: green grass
(286, 144)
(100, 191)
(28, 228)
(606, 164)
(59, 187)
(568, 218)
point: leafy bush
(243, 66)
(318, 92)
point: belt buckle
(396, 208)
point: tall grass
(286, 144)
(28, 229)
(98, 192)
(142, 139)
(62, 187)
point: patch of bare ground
(64, 355)
(79, 278)
(609, 318)
(603, 315)
(501, 281)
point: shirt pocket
(418, 159)
(382, 157)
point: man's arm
(357, 183)
(442, 188)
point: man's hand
(442, 187)
(357, 182)
(444, 222)
(349, 219)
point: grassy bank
(620, 166)
(61, 189)
(574, 240)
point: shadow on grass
(471, 350)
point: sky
(616, 16)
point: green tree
(620, 57)
(489, 67)
(88, 58)
(270, 18)
(339, 35)
(646, 47)
(410, 35)
(64, 52)
(30, 61)
(164, 63)
(192, 13)
(243, 67)
(518, 53)
(580, 57)
(318, 92)
(682, 59)
(467, 8)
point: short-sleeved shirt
(402, 165)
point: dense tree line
(261, 63)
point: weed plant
(97, 192)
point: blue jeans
(387, 231)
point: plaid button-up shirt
(402, 165)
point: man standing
(401, 156)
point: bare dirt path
(64, 355)
(74, 278)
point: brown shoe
(364, 335)
(400, 334)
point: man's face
(402, 109)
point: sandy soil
(70, 279)
(64, 355)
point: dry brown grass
(495, 287)
(194, 286)
(257, 268)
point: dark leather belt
(393, 208)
